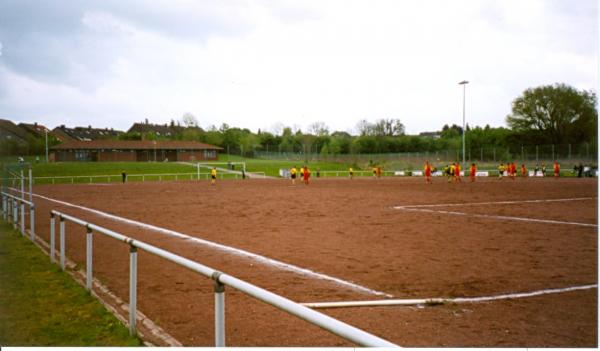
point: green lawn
(42, 306)
(269, 167)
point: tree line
(553, 114)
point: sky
(267, 64)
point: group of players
(304, 174)
(453, 171)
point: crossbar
(330, 324)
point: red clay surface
(348, 229)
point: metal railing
(220, 279)
(137, 177)
(11, 210)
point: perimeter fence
(568, 154)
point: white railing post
(89, 259)
(23, 218)
(52, 235)
(219, 311)
(62, 243)
(32, 222)
(30, 185)
(15, 214)
(22, 185)
(132, 289)
(4, 207)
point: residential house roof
(11, 131)
(134, 145)
(85, 133)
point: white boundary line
(440, 300)
(495, 202)
(420, 208)
(261, 259)
(522, 219)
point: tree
(555, 113)
(188, 120)
(388, 127)
(318, 129)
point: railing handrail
(136, 175)
(335, 326)
(29, 203)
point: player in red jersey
(306, 175)
(523, 171)
(427, 170)
(472, 172)
(556, 169)
(457, 169)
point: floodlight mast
(464, 84)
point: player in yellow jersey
(501, 170)
(451, 175)
(351, 172)
(293, 172)
(213, 176)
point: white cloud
(253, 64)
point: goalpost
(231, 166)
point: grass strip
(42, 306)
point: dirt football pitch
(389, 238)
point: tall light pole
(464, 84)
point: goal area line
(427, 208)
(441, 300)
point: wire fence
(585, 153)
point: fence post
(4, 207)
(52, 240)
(22, 185)
(536, 154)
(32, 222)
(494, 150)
(569, 151)
(62, 243)
(23, 218)
(552, 151)
(15, 214)
(89, 259)
(30, 185)
(219, 311)
(132, 289)
(587, 150)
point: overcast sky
(255, 64)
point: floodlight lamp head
(464, 82)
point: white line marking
(495, 202)
(265, 260)
(522, 219)
(405, 302)
(510, 218)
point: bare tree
(318, 129)
(189, 120)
